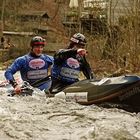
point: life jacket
(31, 68)
(68, 71)
(36, 68)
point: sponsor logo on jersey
(37, 63)
(73, 63)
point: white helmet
(78, 38)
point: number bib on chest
(36, 74)
(67, 72)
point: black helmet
(37, 40)
(78, 38)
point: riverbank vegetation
(115, 51)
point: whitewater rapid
(39, 118)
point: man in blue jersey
(69, 62)
(32, 66)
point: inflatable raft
(124, 90)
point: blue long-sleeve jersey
(31, 69)
(68, 64)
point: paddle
(35, 84)
(41, 81)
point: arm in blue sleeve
(16, 66)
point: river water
(39, 118)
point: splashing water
(39, 118)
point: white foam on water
(39, 118)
